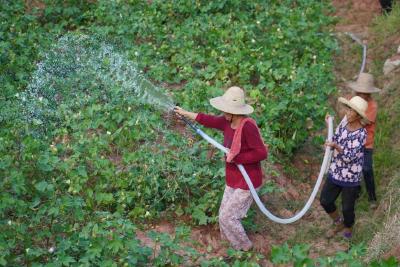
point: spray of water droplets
(79, 69)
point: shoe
(373, 205)
(337, 227)
(347, 235)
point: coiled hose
(265, 211)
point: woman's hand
(334, 146)
(180, 111)
(327, 118)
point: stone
(391, 64)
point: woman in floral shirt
(345, 171)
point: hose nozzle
(184, 119)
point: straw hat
(364, 84)
(232, 101)
(358, 104)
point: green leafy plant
(278, 52)
(171, 251)
(107, 162)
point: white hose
(324, 166)
(364, 56)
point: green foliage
(386, 26)
(390, 262)
(100, 161)
(24, 31)
(235, 258)
(299, 256)
(169, 247)
(277, 51)
(74, 195)
(385, 30)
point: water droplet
(80, 70)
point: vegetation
(387, 154)
(76, 194)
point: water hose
(261, 206)
(364, 47)
(324, 166)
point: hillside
(96, 171)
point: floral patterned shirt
(346, 167)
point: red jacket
(251, 153)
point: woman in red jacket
(242, 137)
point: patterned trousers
(234, 206)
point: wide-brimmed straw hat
(364, 84)
(358, 104)
(232, 101)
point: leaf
(104, 198)
(300, 251)
(390, 262)
(115, 246)
(66, 260)
(41, 186)
(200, 216)
(3, 262)
(281, 254)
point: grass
(347, 59)
(387, 25)
(385, 37)
(307, 233)
(387, 236)
(381, 228)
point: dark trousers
(386, 5)
(368, 173)
(330, 192)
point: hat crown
(232, 101)
(235, 96)
(366, 80)
(359, 103)
(364, 84)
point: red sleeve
(372, 110)
(210, 121)
(256, 150)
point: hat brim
(355, 108)
(359, 89)
(220, 104)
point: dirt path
(355, 16)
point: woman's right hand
(180, 111)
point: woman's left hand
(333, 145)
(330, 144)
